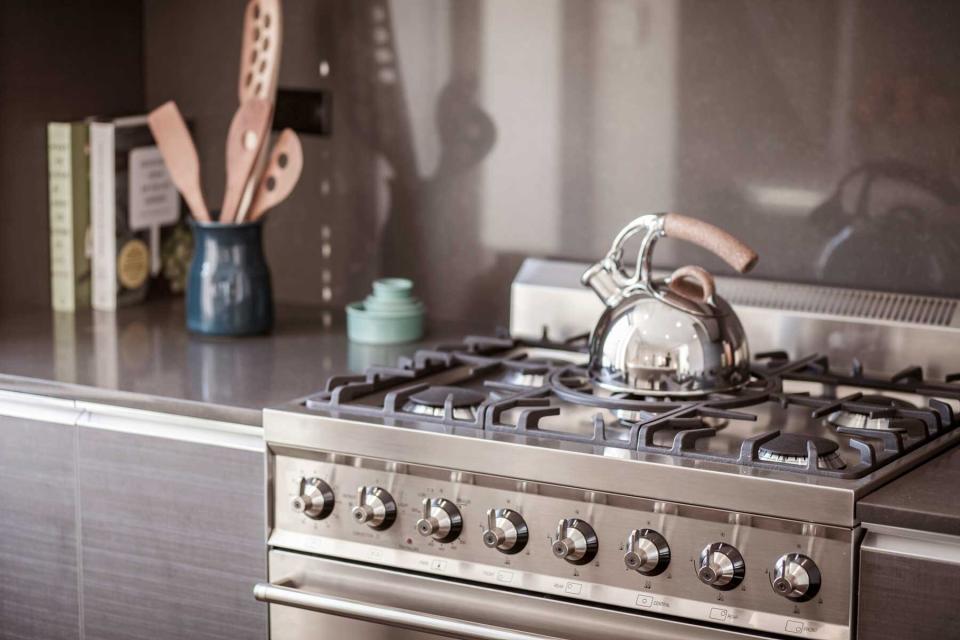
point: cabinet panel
(38, 536)
(172, 538)
(903, 596)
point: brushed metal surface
(676, 592)
(546, 295)
(170, 427)
(908, 586)
(288, 596)
(39, 595)
(815, 499)
(172, 538)
(523, 612)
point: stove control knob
(721, 566)
(375, 508)
(506, 531)
(795, 577)
(576, 541)
(647, 552)
(315, 499)
(441, 520)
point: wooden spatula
(180, 155)
(281, 176)
(247, 134)
(259, 71)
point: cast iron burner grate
(501, 368)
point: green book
(68, 161)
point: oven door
(321, 599)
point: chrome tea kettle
(670, 337)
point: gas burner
(791, 448)
(857, 420)
(431, 402)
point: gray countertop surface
(927, 498)
(143, 357)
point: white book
(103, 215)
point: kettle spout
(599, 278)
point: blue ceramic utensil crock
(228, 289)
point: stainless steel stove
(493, 470)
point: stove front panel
(603, 579)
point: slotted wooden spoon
(260, 54)
(281, 176)
(248, 131)
(259, 72)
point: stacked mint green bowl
(390, 315)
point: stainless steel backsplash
(470, 134)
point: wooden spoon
(180, 155)
(281, 176)
(260, 54)
(248, 130)
(259, 72)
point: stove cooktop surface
(795, 415)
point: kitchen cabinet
(908, 584)
(39, 594)
(173, 538)
(119, 523)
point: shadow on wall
(823, 134)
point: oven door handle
(282, 594)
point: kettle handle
(734, 252)
(701, 288)
(612, 282)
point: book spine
(80, 172)
(103, 216)
(62, 294)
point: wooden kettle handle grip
(701, 288)
(734, 252)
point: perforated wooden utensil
(246, 137)
(180, 155)
(281, 176)
(260, 54)
(259, 71)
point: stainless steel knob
(721, 566)
(506, 531)
(375, 508)
(576, 541)
(315, 499)
(647, 552)
(441, 520)
(795, 577)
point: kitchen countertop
(143, 357)
(924, 499)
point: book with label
(68, 164)
(131, 200)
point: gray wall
(471, 133)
